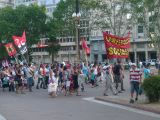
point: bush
(151, 88)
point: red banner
(10, 49)
(20, 41)
(116, 47)
(85, 46)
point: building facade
(24, 2)
(4, 3)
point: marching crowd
(54, 77)
(68, 79)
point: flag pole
(16, 59)
(86, 59)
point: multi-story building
(4, 3)
(49, 4)
(24, 2)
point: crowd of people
(57, 77)
(70, 78)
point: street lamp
(76, 16)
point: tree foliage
(111, 15)
(147, 13)
(31, 18)
(62, 22)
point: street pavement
(37, 105)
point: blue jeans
(30, 83)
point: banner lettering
(116, 47)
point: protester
(109, 81)
(118, 76)
(53, 83)
(135, 81)
(18, 79)
(47, 75)
(30, 75)
(6, 78)
(66, 82)
(75, 80)
(147, 71)
(41, 79)
(85, 71)
(92, 77)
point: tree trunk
(52, 58)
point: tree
(62, 22)
(31, 18)
(53, 47)
(61, 25)
(147, 13)
(110, 15)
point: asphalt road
(39, 106)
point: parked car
(152, 62)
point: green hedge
(151, 88)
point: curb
(137, 106)
(2, 118)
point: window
(103, 47)
(140, 45)
(151, 29)
(140, 29)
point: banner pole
(16, 59)
(86, 59)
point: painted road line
(92, 99)
(2, 118)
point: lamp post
(76, 16)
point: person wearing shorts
(135, 80)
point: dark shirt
(117, 69)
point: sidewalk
(141, 104)
(124, 98)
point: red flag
(20, 41)
(85, 47)
(10, 49)
(84, 44)
(24, 37)
(88, 50)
